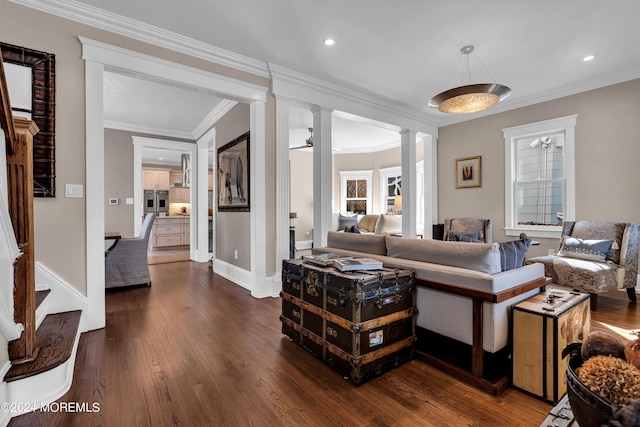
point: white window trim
(565, 124)
(384, 174)
(346, 175)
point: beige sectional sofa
(462, 292)
(368, 224)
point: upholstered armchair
(595, 257)
(461, 228)
(126, 262)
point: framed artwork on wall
(468, 172)
(233, 175)
(40, 86)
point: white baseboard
(63, 296)
(237, 275)
(270, 287)
(5, 417)
(304, 244)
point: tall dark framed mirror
(37, 69)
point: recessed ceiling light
(329, 42)
(588, 58)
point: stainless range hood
(185, 165)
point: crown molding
(148, 130)
(207, 123)
(102, 19)
(212, 118)
(297, 86)
(368, 149)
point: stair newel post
(20, 195)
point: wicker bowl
(589, 409)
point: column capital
(320, 108)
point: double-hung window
(391, 186)
(356, 191)
(539, 177)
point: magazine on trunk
(324, 260)
(353, 264)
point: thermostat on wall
(113, 201)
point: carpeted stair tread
(54, 338)
(40, 296)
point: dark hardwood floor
(196, 350)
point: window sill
(539, 232)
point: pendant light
(469, 98)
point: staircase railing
(19, 134)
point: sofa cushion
(368, 223)
(389, 224)
(601, 230)
(512, 253)
(593, 276)
(346, 221)
(482, 257)
(367, 243)
(594, 250)
(452, 316)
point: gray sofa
(462, 291)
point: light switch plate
(128, 200)
(113, 201)
(73, 190)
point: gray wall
(607, 152)
(233, 229)
(118, 181)
(301, 190)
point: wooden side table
(543, 326)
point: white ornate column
(409, 196)
(322, 175)
(206, 144)
(261, 287)
(283, 188)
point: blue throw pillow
(512, 253)
(461, 236)
(594, 250)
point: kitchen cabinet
(155, 179)
(170, 231)
(179, 195)
(175, 177)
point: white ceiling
(401, 52)
(156, 107)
